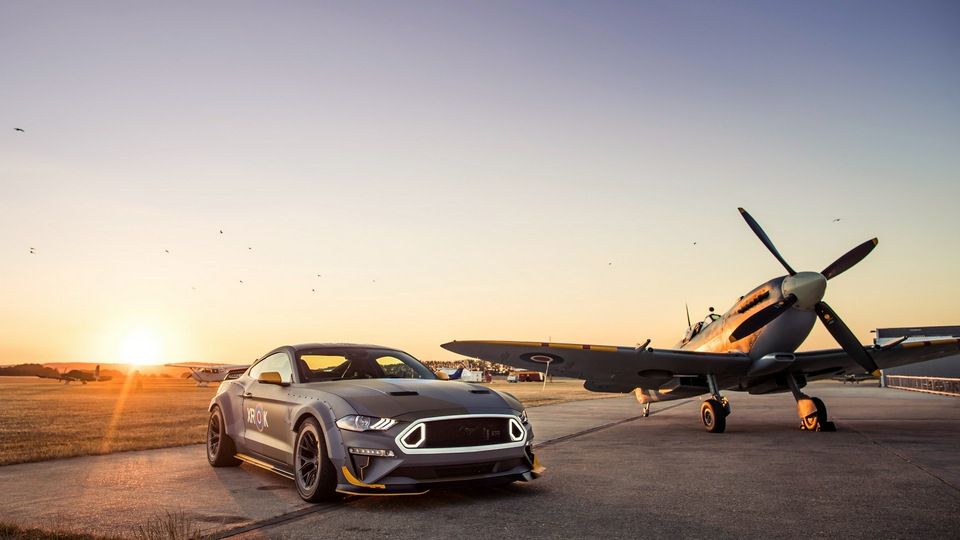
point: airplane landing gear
(812, 411)
(715, 410)
(714, 416)
(646, 409)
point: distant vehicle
(366, 420)
(750, 348)
(78, 375)
(207, 373)
(524, 376)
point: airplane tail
(457, 374)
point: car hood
(396, 398)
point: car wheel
(313, 472)
(221, 452)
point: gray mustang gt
(366, 420)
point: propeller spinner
(805, 290)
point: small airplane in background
(448, 375)
(207, 373)
(77, 375)
(856, 378)
(750, 348)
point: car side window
(278, 362)
(394, 368)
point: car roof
(305, 346)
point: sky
(207, 180)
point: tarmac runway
(892, 470)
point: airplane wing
(609, 367)
(60, 378)
(621, 369)
(903, 353)
(202, 365)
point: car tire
(313, 471)
(221, 451)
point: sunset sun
(141, 347)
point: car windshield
(359, 363)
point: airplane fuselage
(783, 335)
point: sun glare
(141, 348)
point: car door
(265, 409)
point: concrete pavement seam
(899, 455)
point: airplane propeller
(842, 334)
(765, 239)
(808, 288)
(849, 259)
(763, 317)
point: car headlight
(523, 417)
(359, 422)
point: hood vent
(481, 391)
(404, 393)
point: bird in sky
(19, 129)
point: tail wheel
(714, 416)
(221, 451)
(313, 471)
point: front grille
(457, 434)
(460, 432)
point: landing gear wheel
(714, 416)
(221, 452)
(818, 420)
(313, 472)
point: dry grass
(170, 526)
(49, 420)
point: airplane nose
(808, 287)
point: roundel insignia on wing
(542, 358)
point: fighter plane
(77, 375)
(208, 373)
(750, 348)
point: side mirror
(441, 375)
(271, 377)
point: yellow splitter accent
(353, 480)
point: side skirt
(265, 465)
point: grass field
(50, 420)
(46, 420)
